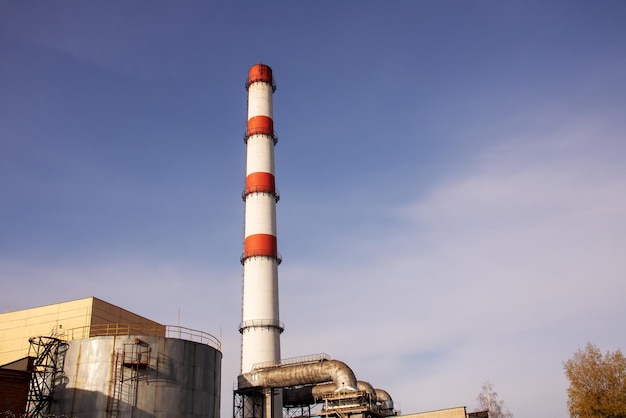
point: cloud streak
(499, 273)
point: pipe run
(284, 376)
(312, 394)
(384, 399)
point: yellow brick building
(81, 318)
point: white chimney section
(260, 327)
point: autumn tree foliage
(488, 401)
(597, 383)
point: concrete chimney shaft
(260, 327)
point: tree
(488, 401)
(597, 383)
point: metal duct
(312, 394)
(301, 374)
(384, 398)
(366, 387)
(298, 396)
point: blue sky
(452, 179)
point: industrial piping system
(309, 382)
(313, 394)
(302, 374)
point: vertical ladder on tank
(128, 364)
(136, 362)
(116, 383)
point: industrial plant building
(89, 358)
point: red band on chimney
(260, 182)
(260, 245)
(260, 72)
(260, 125)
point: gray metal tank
(138, 376)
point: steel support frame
(49, 353)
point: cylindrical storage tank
(138, 376)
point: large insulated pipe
(260, 326)
(384, 399)
(312, 394)
(333, 371)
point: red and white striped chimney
(260, 327)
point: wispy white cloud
(500, 273)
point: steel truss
(49, 354)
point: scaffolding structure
(130, 363)
(49, 355)
(250, 403)
(354, 404)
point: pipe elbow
(367, 388)
(342, 376)
(384, 399)
(302, 374)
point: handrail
(259, 253)
(250, 81)
(267, 323)
(259, 131)
(182, 333)
(152, 330)
(260, 189)
(306, 359)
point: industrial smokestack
(263, 378)
(260, 327)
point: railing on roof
(306, 359)
(152, 330)
(182, 333)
